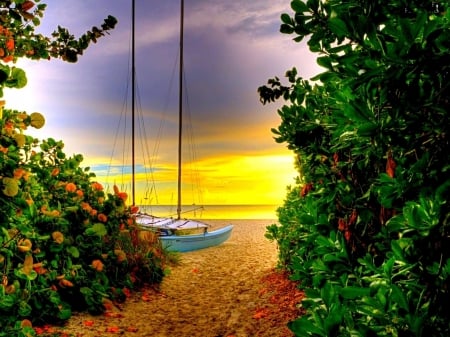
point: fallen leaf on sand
(112, 329)
(113, 314)
(260, 313)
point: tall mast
(180, 109)
(133, 80)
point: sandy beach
(215, 292)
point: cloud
(231, 48)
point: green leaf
(7, 302)
(367, 129)
(20, 77)
(304, 327)
(97, 229)
(24, 309)
(285, 18)
(397, 250)
(338, 27)
(325, 61)
(353, 292)
(328, 294)
(286, 29)
(10, 187)
(64, 313)
(399, 297)
(72, 250)
(334, 319)
(3, 76)
(299, 6)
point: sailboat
(176, 234)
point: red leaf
(112, 329)
(260, 313)
(146, 297)
(390, 165)
(113, 314)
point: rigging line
(147, 160)
(151, 157)
(164, 114)
(192, 149)
(133, 88)
(122, 117)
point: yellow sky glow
(226, 180)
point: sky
(230, 49)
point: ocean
(225, 212)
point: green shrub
(366, 229)
(65, 244)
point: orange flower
(24, 245)
(97, 186)
(39, 269)
(9, 127)
(93, 212)
(102, 217)
(88, 323)
(55, 172)
(120, 254)
(134, 209)
(63, 283)
(26, 323)
(123, 196)
(19, 173)
(101, 200)
(71, 187)
(58, 237)
(116, 189)
(8, 58)
(80, 193)
(97, 265)
(10, 44)
(86, 207)
(54, 213)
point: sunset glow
(227, 57)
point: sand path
(214, 292)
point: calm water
(217, 211)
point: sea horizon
(210, 212)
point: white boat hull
(187, 243)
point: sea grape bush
(366, 227)
(65, 243)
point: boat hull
(187, 243)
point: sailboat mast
(133, 84)
(180, 109)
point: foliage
(65, 243)
(18, 39)
(366, 229)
